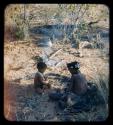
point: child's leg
(55, 96)
(39, 90)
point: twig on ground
(55, 53)
(59, 63)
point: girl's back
(78, 83)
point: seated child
(77, 86)
(79, 95)
(78, 83)
(40, 81)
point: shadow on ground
(21, 103)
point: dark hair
(41, 65)
(73, 65)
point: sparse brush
(103, 87)
(19, 34)
(97, 114)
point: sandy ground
(22, 103)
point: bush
(13, 33)
(19, 34)
(100, 45)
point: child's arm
(39, 90)
(38, 80)
(35, 81)
(71, 84)
(45, 77)
(43, 80)
(46, 83)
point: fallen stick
(17, 68)
(55, 53)
(59, 63)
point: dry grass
(98, 114)
(94, 65)
(20, 101)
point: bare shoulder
(83, 75)
(38, 74)
(79, 75)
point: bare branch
(55, 53)
(78, 13)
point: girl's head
(73, 67)
(41, 66)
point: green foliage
(17, 16)
(61, 13)
(19, 34)
(81, 30)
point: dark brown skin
(78, 82)
(40, 80)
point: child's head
(41, 66)
(73, 67)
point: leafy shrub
(19, 34)
(99, 45)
